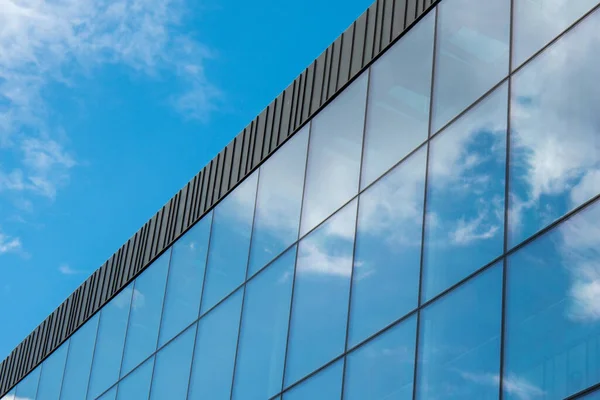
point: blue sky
(107, 108)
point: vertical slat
(286, 114)
(358, 47)
(327, 74)
(346, 56)
(308, 93)
(245, 150)
(399, 17)
(378, 27)
(298, 100)
(335, 67)
(259, 142)
(218, 177)
(388, 18)
(228, 164)
(268, 141)
(370, 37)
(319, 79)
(411, 12)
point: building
(416, 216)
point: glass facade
(432, 233)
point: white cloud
(44, 42)
(9, 244)
(315, 259)
(14, 397)
(472, 230)
(518, 387)
(65, 269)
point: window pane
(79, 361)
(110, 342)
(320, 304)
(388, 249)
(9, 396)
(27, 388)
(537, 22)
(555, 138)
(552, 347)
(398, 109)
(278, 201)
(232, 226)
(471, 55)
(261, 351)
(110, 395)
(184, 285)
(325, 385)
(212, 368)
(144, 316)
(592, 396)
(136, 386)
(465, 198)
(334, 155)
(383, 368)
(172, 367)
(459, 344)
(52, 374)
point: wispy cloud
(9, 244)
(66, 269)
(56, 41)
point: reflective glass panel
(383, 368)
(555, 138)
(471, 56)
(325, 385)
(388, 249)
(592, 396)
(552, 341)
(110, 342)
(459, 343)
(398, 109)
(110, 395)
(136, 386)
(537, 22)
(9, 396)
(144, 315)
(214, 357)
(52, 374)
(465, 199)
(261, 351)
(232, 227)
(27, 388)
(172, 368)
(184, 284)
(320, 302)
(278, 201)
(79, 361)
(334, 155)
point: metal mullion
(287, 340)
(237, 345)
(126, 334)
(210, 230)
(426, 190)
(360, 173)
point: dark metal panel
(286, 114)
(236, 161)
(319, 79)
(268, 141)
(370, 36)
(245, 149)
(161, 238)
(378, 26)
(411, 12)
(326, 74)
(259, 145)
(399, 17)
(228, 162)
(335, 67)
(298, 100)
(214, 179)
(308, 93)
(346, 56)
(388, 18)
(277, 118)
(203, 193)
(358, 47)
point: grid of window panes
(432, 233)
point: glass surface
(261, 351)
(399, 97)
(325, 385)
(388, 249)
(172, 367)
(27, 388)
(9, 396)
(214, 357)
(321, 290)
(465, 199)
(110, 395)
(52, 374)
(232, 227)
(459, 343)
(136, 386)
(144, 314)
(184, 284)
(591, 396)
(278, 201)
(552, 347)
(537, 22)
(110, 342)
(555, 138)
(334, 154)
(383, 368)
(472, 54)
(79, 361)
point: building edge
(384, 22)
